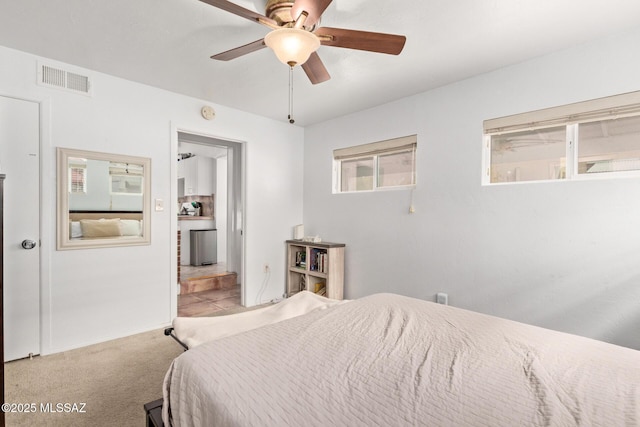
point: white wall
(562, 255)
(220, 202)
(93, 295)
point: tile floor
(210, 302)
(206, 303)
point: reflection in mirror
(103, 199)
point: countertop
(193, 218)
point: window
(599, 138)
(379, 165)
(77, 175)
(125, 178)
(609, 146)
(356, 174)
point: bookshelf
(316, 267)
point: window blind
(611, 107)
(396, 145)
(125, 169)
(76, 162)
(77, 184)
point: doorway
(20, 161)
(210, 208)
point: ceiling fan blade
(314, 8)
(315, 70)
(241, 11)
(361, 40)
(239, 51)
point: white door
(19, 161)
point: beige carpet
(113, 379)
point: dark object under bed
(154, 413)
(153, 410)
(169, 332)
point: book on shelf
(318, 260)
(322, 262)
(301, 260)
(320, 288)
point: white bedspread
(193, 331)
(388, 360)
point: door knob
(28, 244)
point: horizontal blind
(611, 107)
(405, 143)
(77, 184)
(125, 169)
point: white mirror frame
(63, 240)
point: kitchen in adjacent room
(205, 284)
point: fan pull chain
(291, 120)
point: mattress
(389, 360)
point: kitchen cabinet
(198, 175)
(181, 168)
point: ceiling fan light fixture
(292, 46)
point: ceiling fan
(296, 35)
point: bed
(108, 224)
(390, 360)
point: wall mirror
(104, 200)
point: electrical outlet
(442, 298)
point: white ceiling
(167, 44)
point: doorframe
(48, 203)
(173, 211)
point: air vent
(77, 82)
(63, 79)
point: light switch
(159, 205)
